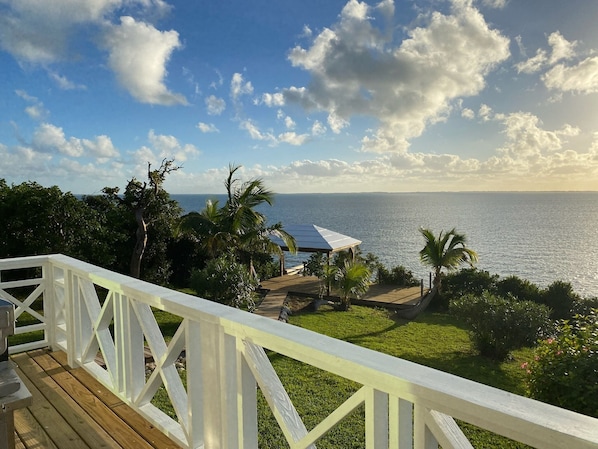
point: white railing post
(71, 313)
(376, 420)
(128, 342)
(400, 432)
(49, 303)
(247, 402)
(423, 438)
(218, 377)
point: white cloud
(238, 87)
(49, 138)
(581, 78)
(358, 69)
(215, 105)
(255, 133)
(207, 127)
(561, 47)
(293, 138)
(468, 114)
(138, 54)
(534, 64)
(36, 110)
(498, 4)
(64, 83)
(271, 100)
(102, 148)
(289, 123)
(318, 128)
(170, 148)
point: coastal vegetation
(506, 332)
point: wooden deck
(71, 410)
(379, 295)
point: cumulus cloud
(358, 69)
(580, 78)
(318, 128)
(561, 48)
(215, 105)
(239, 87)
(271, 100)
(168, 147)
(207, 127)
(138, 54)
(48, 138)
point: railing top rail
(520, 418)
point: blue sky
(311, 96)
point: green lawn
(434, 339)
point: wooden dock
(379, 295)
(72, 410)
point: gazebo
(310, 238)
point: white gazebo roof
(312, 238)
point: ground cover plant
(437, 340)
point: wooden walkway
(381, 295)
(72, 410)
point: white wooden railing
(88, 310)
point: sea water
(542, 237)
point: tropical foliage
(564, 371)
(447, 251)
(352, 279)
(237, 225)
(500, 325)
(226, 281)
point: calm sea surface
(542, 237)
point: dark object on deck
(410, 312)
(13, 394)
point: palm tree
(352, 279)
(237, 225)
(445, 251)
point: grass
(436, 340)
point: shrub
(518, 288)
(314, 266)
(500, 325)
(564, 371)
(398, 275)
(468, 281)
(560, 297)
(226, 281)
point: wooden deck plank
(92, 433)
(31, 433)
(48, 417)
(98, 410)
(150, 433)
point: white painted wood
(376, 419)
(423, 438)
(283, 409)
(446, 431)
(247, 401)
(229, 342)
(195, 411)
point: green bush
(564, 371)
(226, 281)
(518, 288)
(560, 297)
(398, 275)
(468, 281)
(499, 325)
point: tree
(151, 206)
(352, 279)
(44, 220)
(237, 224)
(448, 251)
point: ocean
(542, 237)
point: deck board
(72, 410)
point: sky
(310, 96)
